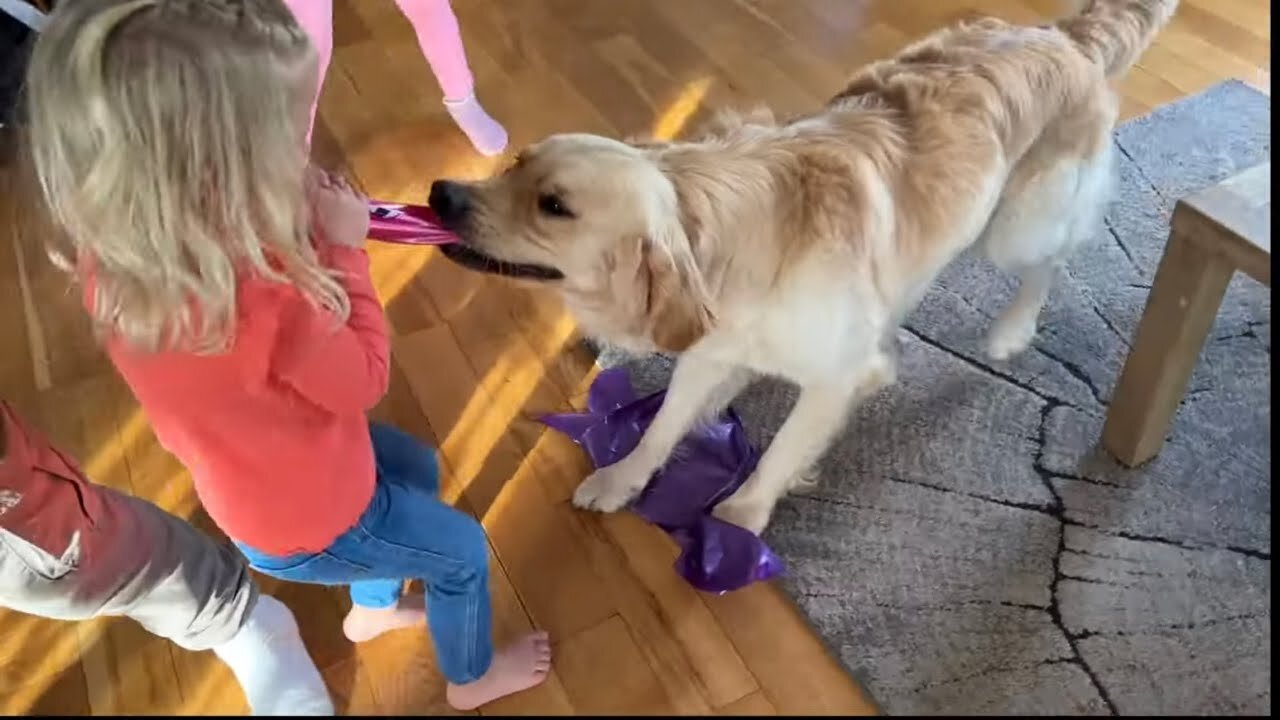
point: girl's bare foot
(364, 623)
(518, 666)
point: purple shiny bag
(406, 224)
(707, 467)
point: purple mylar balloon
(707, 467)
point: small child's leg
(316, 17)
(200, 595)
(74, 550)
(407, 532)
(450, 552)
(441, 43)
(272, 665)
(379, 606)
(421, 536)
(138, 561)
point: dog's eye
(550, 204)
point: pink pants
(441, 42)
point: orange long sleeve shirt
(274, 431)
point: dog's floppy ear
(656, 277)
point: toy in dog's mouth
(473, 259)
(419, 225)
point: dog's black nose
(449, 200)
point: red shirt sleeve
(343, 368)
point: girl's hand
(339, 212)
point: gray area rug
(971, 550)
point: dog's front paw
(609, 489)
(748, 514)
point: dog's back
(974, 127)
(991, 77)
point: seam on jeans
(473, 635)
(421, 552)
(253, 562)
(279, 572)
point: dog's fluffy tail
(1115, 32)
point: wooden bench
(1214, 233)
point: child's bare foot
(364, 623)
(518, 666)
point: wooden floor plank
(207, 685)
(35, 652)
(64, 694)
(351, 685)
(753, 705)
(625, 685)
(773, 649)
(402, 673)
(643, 613)
(510, 621)
(24, 347)
(711, 655)
(127, 670)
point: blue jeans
(407, 532)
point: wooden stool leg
(1181, 307)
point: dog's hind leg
(1052, 202)
(1048, 210)
(1016, 327)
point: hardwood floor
(476, 359)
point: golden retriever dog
(795, 249)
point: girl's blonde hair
(168, 137)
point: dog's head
(595, 217)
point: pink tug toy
(406, 225)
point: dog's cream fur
(796, 249)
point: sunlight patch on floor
(112, 453)
(672, 121)
(497, 399)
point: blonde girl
(231, 288)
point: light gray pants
(137, 561)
